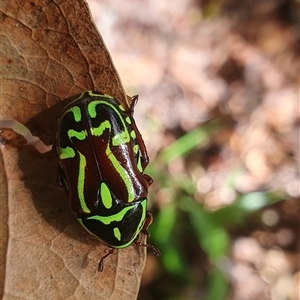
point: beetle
(102, 158)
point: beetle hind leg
(148, 221)
(154, 249)
(101, 264)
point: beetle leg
(148, 178)
(134, 100)
(100, 266)
(142, 147)
(154, 250)
(148, 221)
(139, 139)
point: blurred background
(219, 112)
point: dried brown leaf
(51, 50)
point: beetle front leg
(140, 141)
(148, 178)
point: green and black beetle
(102, 158)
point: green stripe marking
(67, 152)
(98, 131)
(92, 107)
(80, 185)
(117, 233)
(136, 148)
(133, 134)
(106, 196)
(80, 135)
(139, 164)
(121, 138)
(106, 220)
(97, 95)
(76, 113)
